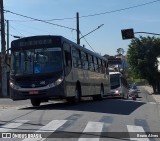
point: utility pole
(3, 53)
(7, 38)
(78, 32)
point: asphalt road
(111, 119)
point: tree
(142, 58)
(120, 51)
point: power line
(38, 20)
(96, 14)
(87, 42)
(11, 35)
(31, 27)
(16, 30)
(122, 9)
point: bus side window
(67, 58)
(84, 59)
(103, 66)
(91, 63)
(107, 68)
(96, 64)
(76, 58)
(99, 65)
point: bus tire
(35, 102)
(101, 95)
(76, 99)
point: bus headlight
(57, 82)
(116, 91)
(12, 85)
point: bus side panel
(70, 85)
(90, 82)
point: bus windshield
(36, 61)
(115, 81)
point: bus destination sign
(35, 42)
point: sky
(105, 40)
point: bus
(118, 85)
(48, 67)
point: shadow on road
(112, 106)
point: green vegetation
(142, 58)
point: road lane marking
(91, 128)
(152, 102)
(12, 125)
(49, 128)
(136, 129)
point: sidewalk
(6, 103)
(150, 91)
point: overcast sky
(105, 40)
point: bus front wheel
(35, 102)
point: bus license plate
(33, 92)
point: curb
(150, 92)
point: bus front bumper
(56, 92)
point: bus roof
(60, 39)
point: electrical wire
(38, 20)
(122, 9)
(91, 15)
(16, 30)
(11, 35)
(33, 27)
(88, 43)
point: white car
(133, 90)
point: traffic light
(127, 33)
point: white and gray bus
(118, 85)
(48, 67)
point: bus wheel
(35, 102)
(101, 95)
(76, 97)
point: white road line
(92, 127)
(50, 127)
(136, 129)
(152, 102)
(13, 125)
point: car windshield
(134, 87)
(36, 61)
